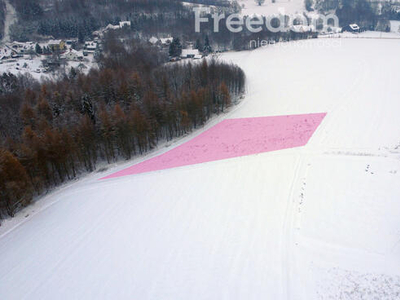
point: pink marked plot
(233, 138)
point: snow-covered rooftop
(54, 42)
(166, 40)
(153, 40)
(190, 52)
(354, 27)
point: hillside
(71, 18)
(313, 222)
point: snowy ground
(363, 35)
(316, 222)
(9, 20)
(250, 7)
(191, 5)
(35, 68)
(269, 8)
(22, 65)
(234, 138)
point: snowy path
(315, 222)
(269, 7)
(10, 19)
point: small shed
(125, 24)
(190, 53)
(166, 41)
(351, 28)
(153, 40)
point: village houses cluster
(40, 58)
(46, 57)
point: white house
(124, 23)
(351, 28)
(21, 48)
(113, 27)
(90, 46)
(5, 53)
(190, 53)
(56, 45)
(302, 28)
(354, 27)
(74, 55)
(99, 33)
(166, 41)
(153, 40)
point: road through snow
(316, 222)
(10, 19)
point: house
(166, 41)
(153, 40)
(21, 48)
(351, 28)
(124, 24)
(74, 55)
(189, 45)
(56, 45)
(112, 27)
(90, 46)
(190, 53)
(5, 53)
(71, 42)
(15, 54)
(52, 63)
(81, 66)
(99, 33)
(302, 28)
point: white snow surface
(315, 222)
(289, 7)
(9, 19)
(30, 66)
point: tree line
(79, 19)
(73, 18)
(53, 131)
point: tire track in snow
(287, 240)
(322, 133)
(80, 241)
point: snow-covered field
(316, 222)
(250, 7)
(363, 35)
(34, 67)
(234, 138)
(22, 66)
(269, 8)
